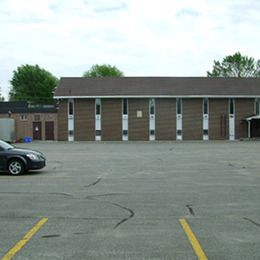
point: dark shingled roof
(24, 107)
(157, 86)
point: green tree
(1, 97)
(236, 66)
(33, 84)
(104, 70)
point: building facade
(142, 109)
(37, 122)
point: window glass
(71, 108)
(205, 132)
(205, 106)
(23, 117)
(179, 132)
(152, 110)
(37, 117)
(231, 106)
(125, 106)
(98, 106)
(98, 132)
(179, 106)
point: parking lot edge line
(19, 245)
(193, 240)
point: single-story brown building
(36, 121)
(158, 108)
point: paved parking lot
(176, 200)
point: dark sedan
(18, 160)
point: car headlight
(32, 156)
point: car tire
(16, 167)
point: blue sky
(140, 37)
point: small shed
(7, 129)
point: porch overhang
(254, 117)
(249, 120)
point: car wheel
(16, 167)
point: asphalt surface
(125, 201)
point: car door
(2, 158)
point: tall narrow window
(205, 106)
(152, 119)
(257, 104)
(178, 118)
(98, 106)
(231, 119)
(71, 108)
(70, 120)
(205, 119)
(125, 119)
(98, 120)
(151, 106)
(231, 106)
(179, 106)
(125, 106)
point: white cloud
(144, 38)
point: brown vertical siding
(138, 128)
(192, 119)
(111, 119)
(84, 119)
(63, 121)
(165, 119)
(218, 119)
(243, 109)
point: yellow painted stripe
(193, 240)
(13, 251)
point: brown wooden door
(37, 130)
(49, 130)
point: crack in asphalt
(130, 211)
(125, 219)
(92, 197)
(64, 235)
(40, 193)
(93, 184)
(252, 221)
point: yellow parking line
(193, 240)
(14, 250)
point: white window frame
(98, 119)
(125, 120)
(232, 123)
(205, 119)
(179, 119)
(71, 120)
(152, 119)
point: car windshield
(5, 146)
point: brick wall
(165, 121)
(243, 109)
(111, 116)
(84, 119)
(24, 128)
(218, 119)
(138, 126)
(63, 121)
(192, 119)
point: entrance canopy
(254, 117)
(253, 126)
